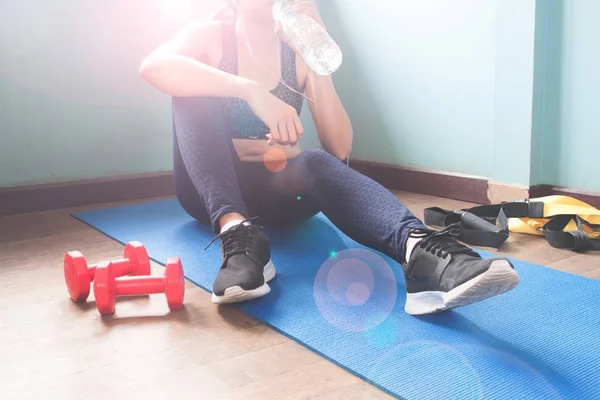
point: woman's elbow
(344, 148)
(148, 69)
(155, 73)
(343, 152)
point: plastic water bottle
(308, 38)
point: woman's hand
(282, 119)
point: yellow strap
(557, 205)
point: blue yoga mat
(345, 302)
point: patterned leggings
(211, 181)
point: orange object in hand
(275, 159)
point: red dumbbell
(107, 287)
(79, 275)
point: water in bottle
(308, 38)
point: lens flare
(350, 278)
(465, 369)
(275, 159)
(431, 361)
(355, 290)
(357, 293)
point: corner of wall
(514, 86)
(546, 118)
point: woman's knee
(318, 159)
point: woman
(230, 111)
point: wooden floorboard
(53, 348)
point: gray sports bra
(244, 123)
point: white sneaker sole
(498, 279)
(236, 294)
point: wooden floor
(51, 348)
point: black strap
(487, 226)
(573, 240)
(478, 231)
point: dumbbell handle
(139, 286)
(122, 267)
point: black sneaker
(246, 267)
(443, 274)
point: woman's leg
(360, 207)
(440, 272)
(187, 194)
(208, 189)
(204, 163)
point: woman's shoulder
(206, 37)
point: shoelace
(237, 240)
(443, 243)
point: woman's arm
(332, 122)
(174, 67)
